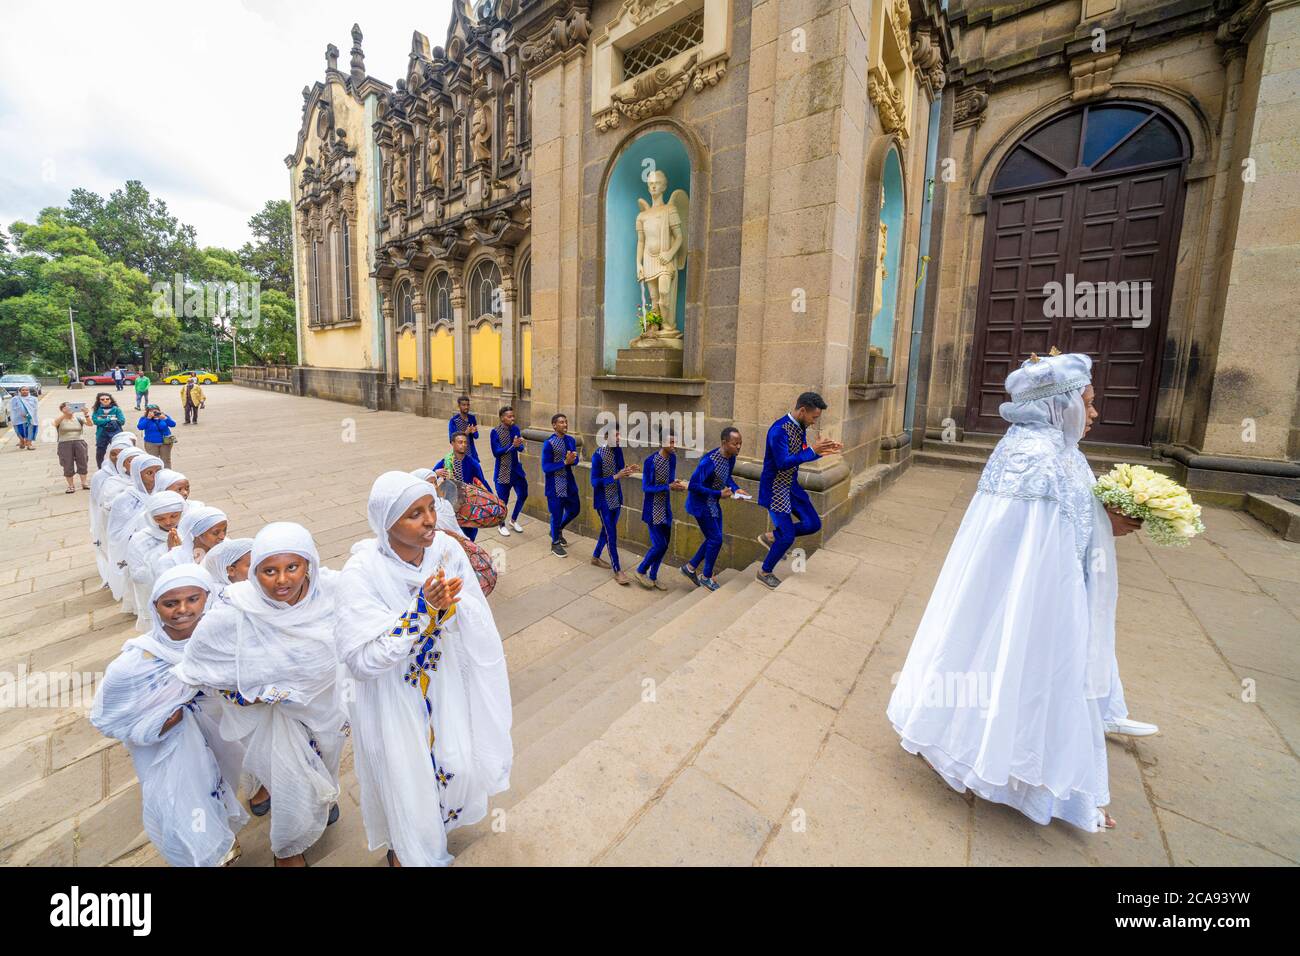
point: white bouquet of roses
(1163, 506)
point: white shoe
(503, 531)
(1130, 728)
(516, 527)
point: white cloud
(199, 101)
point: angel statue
(660, 255)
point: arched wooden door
(1093, 195)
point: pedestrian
(507, 443)
(792, 511)
(1025, 602)
(431, 709)
(559, 456)
(73, 454)
(274, 636)
(463, 421)
(119, 377)
(658, 480)
(109, 421)
(193, 399)
(607, 473)
(72, 376)
(24, 413)
(156, 426)
(460, 466)
(142, 384)
(188, 774)
(710, 482)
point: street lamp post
(72, 327)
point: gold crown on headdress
(1035, 357)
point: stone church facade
(870, 196)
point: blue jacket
(786, 449)
(654, 487)
(457, 424)
(466, 470)
(156, 429)
(710, 476)
(607, 491)
(559, 476)
(507, 455)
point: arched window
(405, 305)
(315, 280)
(887, 265)
(484, 282)
(1094, 140)
(346, 233)
(440, 299)
(442, 322)
(526, 290)
(334, 268)
(525, 351)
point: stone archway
(1086, 200)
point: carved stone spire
(358, 56)
(332, 58)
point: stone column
(390, 338)
(460, 331)
(1252, 411)
(421, 339)
(509, 377)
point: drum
(476, 507)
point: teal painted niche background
(627, 185)
(891, 214)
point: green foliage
(101, 257)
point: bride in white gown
(1005, 679)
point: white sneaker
(503, 531)
(1130, 728)
(517, 528)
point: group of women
(255, 663)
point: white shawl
(147, 546)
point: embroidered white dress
(1000, 692)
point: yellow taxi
(180, 378)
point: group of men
(785, 449)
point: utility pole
(73, 330)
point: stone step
(966, 456)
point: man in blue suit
(463, 421)
(559, 455)
(607, 473)
(710, 483)
(658, 480)
(793, 514)
(508, 475)
(463, 468)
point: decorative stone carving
(358, 63)
(970, 106)
(652, 94)
(332, 58)
(1091, 76)
(660, 255)
(1232, 31)
(398, 181)
(928, 59)
(573, 29)
(887, 100)
(481, 133)
(508, 150)
(639, 11)
(433, 152)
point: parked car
(11, 384)
(106, 378)
(180, 378)
(4, 414)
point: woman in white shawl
(200, 530)
(101, 478)
(114, 487)
(431, 710)
(446, 510)
(161, 513)
(228, 563)
(1001, 689)
(269, 652)
(187, 789)
(124, 516)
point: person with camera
(72, 447)
(109, 420)
(156, 426)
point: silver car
(11, 384)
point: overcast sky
(200, 101)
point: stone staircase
(972, 453)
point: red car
(106, 378)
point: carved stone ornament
(928, 59)
(652, 94)
(573, 29)
(1091, 77)
(887, 99)
(970, 107)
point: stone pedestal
(653, 362)
(76, 384)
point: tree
(270, 257)
(135, 229)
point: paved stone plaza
(739, 727)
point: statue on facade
(480, 140)
(660, 255)
(399, 178)
(433, 156)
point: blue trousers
(705, 557)
(563, 510)
(608, 535)
(470, 533)
(785, 530)
(659, 535)
(520, 486)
